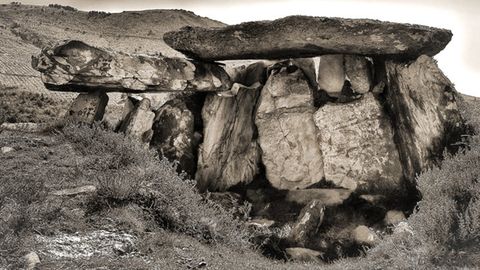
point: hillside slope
(25, 29)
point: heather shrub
(127, 171)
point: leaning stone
(358, 146)
(88, 107)
(423, 108)
(304, 36)
(308, 223)
(75, 66)
(328, 197)
(364, 236)
(287, 133)
(304, 255)
(139, 122)
(331, 74)
(358, 72)
(394, 217)
(31, 260)
(173, 134)
(229, 154)
(75, 191)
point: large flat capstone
(75, 66)
(304, 36)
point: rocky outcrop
(358, 147)
(422, 105)
(229, 154)
(288, 136)
(75, 66)
(173, 134)
(303, 36)
(88, 107)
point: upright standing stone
(331, 74)
(116, 112)
(288, 136)
(358, 146)
(139, 122)
(229, 154)
(308, 223)
(421, 101)
(173, 132)
(88, 107)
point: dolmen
(327, 127)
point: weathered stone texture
(173, 134)
(358, 146)
(288, 136)
(421, 101)
(304, 36)
(88, 107)
(75, 66)
(229, 154)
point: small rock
(308, 222)
(364, 235)
(328, 197)
(260, 223)
(394, 217)
(304, 254)
(6, 149)
(31, 260)
(75, 191)
(372, 199)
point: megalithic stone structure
(76, 66)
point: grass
(19, 106)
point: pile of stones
(323, 135)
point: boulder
(331, 74)
(304, 36)
(357, 70)
(288, 136)
(173, 135)
(357, 143)
(31, 260)
(76, 66)
(304, 255)
(363, 235)
(307, 223)
(138, 124)
(422, 104)
(88, 107)
(394, 217)
(229, 154)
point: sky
(460, 60)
